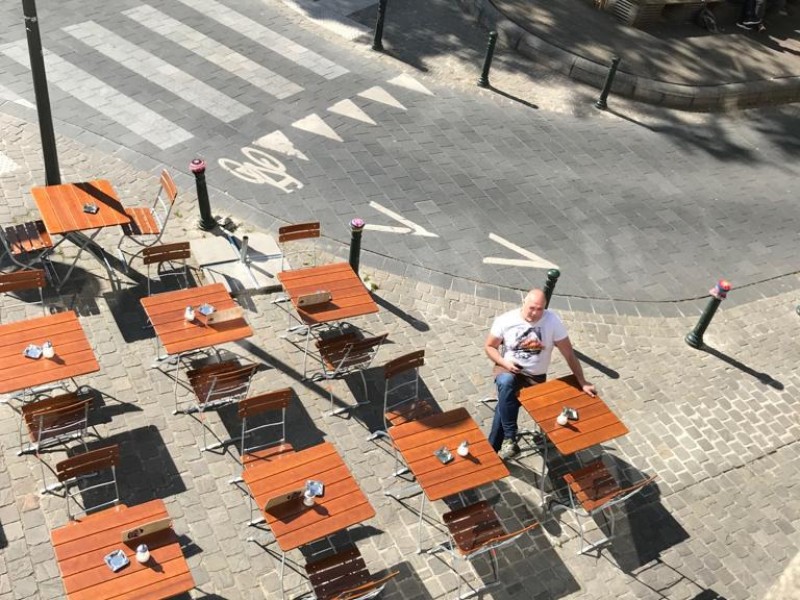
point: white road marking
(313, 123)
(103, 98)
(7, 165)
(350, 109)
(408, 82)
(378, 94)
(410, 226)
(531, 259)
(278, 142)
(214, 52)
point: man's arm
(565, 347)
(492, 349)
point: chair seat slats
(143, 222)
(28, 237)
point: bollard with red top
(198, 168)
(718, 293)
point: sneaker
(752, 23)
(509, 449)
(743, 26)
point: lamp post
(51, 170)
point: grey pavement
(641, 213)
(719, 428)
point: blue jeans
(504, 424)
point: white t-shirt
(529, 345)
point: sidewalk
(719, 427)
(673, 64)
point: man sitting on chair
(528, 336)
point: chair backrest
(344, 576)
(165, 199)
(594, 487)
(155, 255)
(347, 353)
(275, 402)
(226, 382)
(31, 236)
(28, 279)
(401, 377)
(293, 233)
(71, 470)
(57, 418)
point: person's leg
(504, 424)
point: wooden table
(343, 503)
(349, 296)
(596, 422)
(178, 336)
(81, 545)
(417, 441)
(61, 207)
(74, 355)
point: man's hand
(512, 367)
(588, 388)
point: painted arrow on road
(410, 226)
(530, 260)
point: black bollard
(487, 62)
(356, 229)
(52, 174)
(207, 222)
(550, 284)
(601, 101)
(718, 293)
(377, 41)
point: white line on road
(531, 259)
(410, 226)
(103, 98)
(214, 52)
(267, 38)
(160, 72)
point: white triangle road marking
(350, 109)
(278, 142)
(407, 81)
(531, 259)
(313, 123)
(410, 226)
(378, 94)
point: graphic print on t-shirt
(528, 343)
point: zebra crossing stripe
(192, 40)
(160, 72)
(103, 98)
(267, 38)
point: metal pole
(356, 229)
(550, 284)
(207, 222)
(487, 62)
(243, 249)
(601, 101)
(718, 293)
(51, 171)
(377, 41)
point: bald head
(533, 306)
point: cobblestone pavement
(719, 428)
(629, 208)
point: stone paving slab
(719, 428)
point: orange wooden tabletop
(61, 206)
(343, 503)
(81, 545)
(165, 312)
(417, 441)
(596, 423)
(349, 296)
(74, 355)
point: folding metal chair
(74, 471)
(217, 385)
(254, 412)
(293, 233)
(148, 223)
(344, 355)
(401, 401)
(592, 490)
(28, 279)
(27, 243)
(171, 255)
(344, 576)
(54, 421)
(474, 531)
